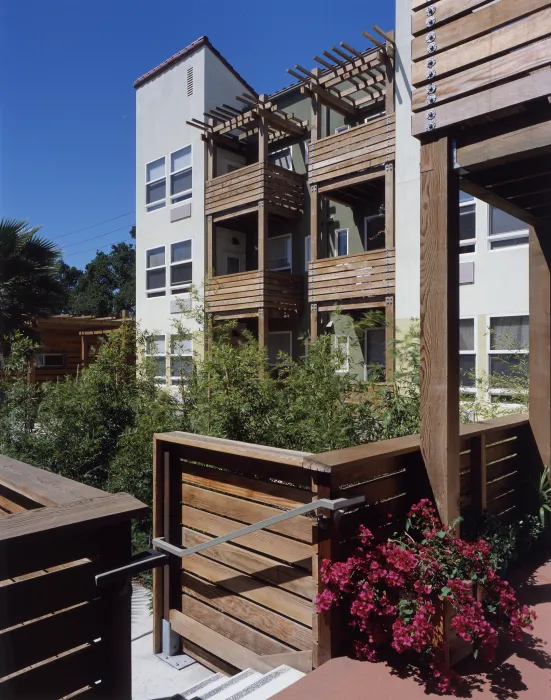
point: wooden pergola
(481, 110)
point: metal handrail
(325, 503)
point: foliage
(108, 284)
(69, 276)
(394, 593)
(29, 276)
(544, 496)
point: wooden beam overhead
(373, 40)
(339, 52)
(331, 100)
(197, 126)
(351, 49)
(231, 109)
(334, 58)
(491, 197)
(278, 121)
(306, 72)
(385, 36)
(323, 62)
(296, 75)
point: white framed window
(467, 223)
(341, 344)
(181, 266)
(282, 157)
(374, 354)
(52, 360)
(508, 339)
(373, 116)
(279, 341)
(307, 252)
(467, 355)
(155, 184)
(155, 272)
(181, 354)
(342, 129)
(181, 175)
(340, 242)
(374, 232)
(505, 231)
(156, 352)
(279, 253)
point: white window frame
(338, 339)
(342, 128)
(510, 235)
(289, 333)
(336, 243)
(174, 380)
(369, 218)
(159, 379)
(289, 267)
(469, 241)
(367, 365)
(155, 293)
(470, 389)
(180, 287)
(160, 203)
(371, 117)
(39, 360)
(181, 196)
(497, 391)
(288, 149)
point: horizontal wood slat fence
(280, 189)
(470, 60)
(58, 633)
(250, 602)
(360, 148)
(278, 292)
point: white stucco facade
(495, 275)
(173, 95)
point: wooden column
(158, 531)
(390, 327)
(314, 254)
(390, 319)
(84, 350)
(440, 324)
(478, 473)
(172, 530)
(321, 549)
(390, 81)
(262, 232)
(210, 248)
(540, 341)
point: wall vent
(190, 81)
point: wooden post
(389, 338)
(84, 350)
(321, 549)
(210, 249)
(440, 324)
(478, 473)
(390, 320)
(540, 342)
(389, 84)
(262, 328)
(389, 206)
(172, 528)
(158, 531)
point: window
(279, 253)
(506, 231)
(181, 364)
(181, 175)
(375, 354)
(467, 223)
(155, 185)
(155, 272)
(278, 342)
(282, 158)
(233, 265)
(374, 232)
(156, 352)
(340, 242)
(508, 345)
(342, 348)
(181, 266)
(52, 360)
(307, 252)
(342, 129)
(467, 354)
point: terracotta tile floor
(523, 670)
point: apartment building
(170, 188)
(494, 249)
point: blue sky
(67, 97)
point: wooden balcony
(243, 294)
(350, 277)
(281, 190)
(348, 154)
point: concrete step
(203, 686)
(268, 685)
(228, 687)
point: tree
(108, 284)
(69, 276)
(29, 276)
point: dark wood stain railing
(58, 633)
(250, 603)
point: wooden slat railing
(249, 291)
(360, 148)
(494, 53)
(369, 274)
(58, 633)
(241, 602)
(278, 188)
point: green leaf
(442, 534)
(445, 592)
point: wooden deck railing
(469, 61)
(246, 292)
(280, 189)
(250, 603)
(59, 634)
(360, 148)
(358, 276)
